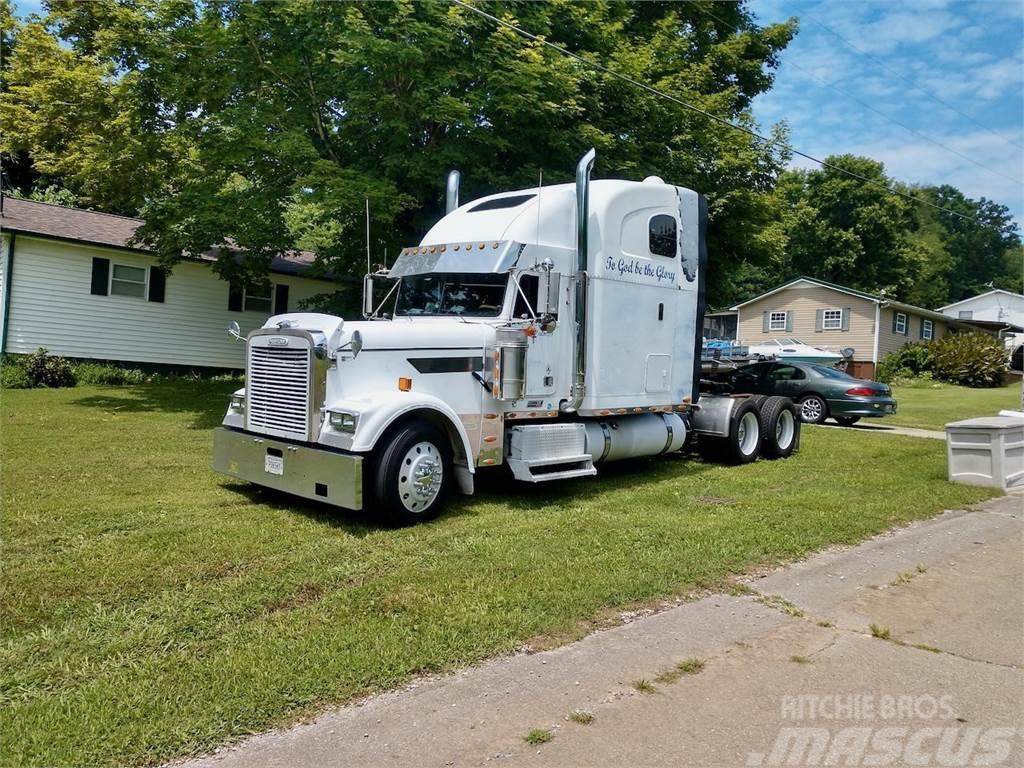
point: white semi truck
(548, 330)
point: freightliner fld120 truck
(547, 330)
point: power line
(686, 105)
(906, 127)
(912, 83)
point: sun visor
(474, 258)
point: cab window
(530, 285)
(662, 236)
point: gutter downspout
(451, 197)
(583, 169)
(878, 327)
(8, 267)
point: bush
(12, 374)
(970, 359)
(906, 363)
(107, 373)
(45, 370)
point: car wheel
(412, 475)
(743, 444)
(780, 428)
(847, 421)
(813, 409)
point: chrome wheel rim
(811, 409)
(420, 476)
(748, 433)
(785, 429)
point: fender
(388, 409)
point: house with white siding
(997, 307)
(838, 318)
(72, 282)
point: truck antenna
(367, 235)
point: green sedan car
(821, 392)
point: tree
(267, 125)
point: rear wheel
(813, 409)
(743, 444)
(780, 427)
(847, 421)
(412, 475)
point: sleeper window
(663, 236)
(128, 281)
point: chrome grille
(277, 390)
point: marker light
(404, 383)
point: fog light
(343, 421)
(237, 404)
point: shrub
(970, 359)
(12, 374)
(107, 373)
(45, 370)
(905, 363)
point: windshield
(466, 295)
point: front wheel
(813, 409)
(412, 475)
(847, 421)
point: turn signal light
(404, 383)
(861, 392)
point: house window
(927, 329)
(965, 314)
(257, 298)
(663, 235)
(832, 320)
(900, 324)
(128, 281)
(777, 321)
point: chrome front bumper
(336, 478)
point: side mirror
(368, 296)
(356, 343)
(235, 331)
(549, 291)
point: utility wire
(912, 83)
(686, 105)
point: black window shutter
(234, 297)
(100, 276)
(894, 322)
(280, 299)
(157, 284)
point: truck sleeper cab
(546, 330)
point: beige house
(837, 318)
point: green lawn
(152, 609)
(931, 406)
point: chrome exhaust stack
(451, 198)
(583, 169)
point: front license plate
(274, 465)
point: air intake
(278, 389)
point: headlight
(237, 404)
(343, 421)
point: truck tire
(412, 474)
(743, 444)
(780, 428)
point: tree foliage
(269, 124)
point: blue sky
(852, 94)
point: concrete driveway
(906, 650)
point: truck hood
(421, 333)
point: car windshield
(831, 373)
(466, 295)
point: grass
(687, 667)
(581, 717)
(151, 609)
(797, 659)
(882, 633)
(780, 603)
(644, 686)
(538, 736)
(933, 406)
